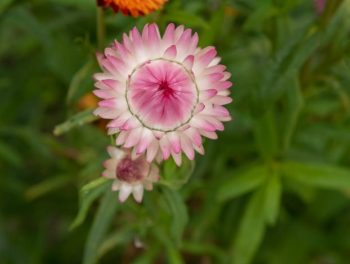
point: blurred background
(274, 188)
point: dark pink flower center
(129, 170)
(162, 95)
(166, 89)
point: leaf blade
(317, 175)
(244, 182)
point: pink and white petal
(199, 149)
(223, 85)
(134, 155)
(104, 94)
(109, 84)
(139, 48)
(199, 108)
(136, 38)
(104, 76)
(187, 146)
(120, 120)
(128, 43)
(109, 174)
(188, 62)
(213, 69)
(115, 152)
(158, 134)
(153, 34)
(224, 92)
(207, 94)
(112, 131)
(226, 76)
(165, 147)
(108, 103)
(213, 121)
(106, 113)
(177, 157)
(214, 77)
(110, 51)
(205, 57)
(111, 164)
(202, 124)
(148, 185)
(215, 61)
(137, 192)
(123, 52)
(174, 141)
(153, 174)
(221, 100)
(194, 135)
(146, 138)
(116, 185)
(159, 156)
(170, 53)
(133, 138)
(169, 35)
(209, 134)
(183, 43)
(178, 32)
(131, 124)
(193, 44)
(220, 111)
(121, 138)
(152, 150)
(125, 190)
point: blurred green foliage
(275, 187)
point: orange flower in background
(133, 7)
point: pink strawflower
(162, 93)
(131, 175)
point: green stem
(101, 28)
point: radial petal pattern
(162, 94)
(133, 7)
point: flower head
(133, 7)
(162, 93)
(131, 175)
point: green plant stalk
(100, 28)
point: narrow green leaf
(47, 186)
(179, 213)
(173, 254)
(289, 60)
(266, 138)
(317, 175)
(88, 194)
(242, 183)
(83, 73)
(201, 248)
(120, 237)
(102, 221)
(251, 230)
(149, 256)
(8, 154)
(273, 190)
(77, 120)
(295, 103)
